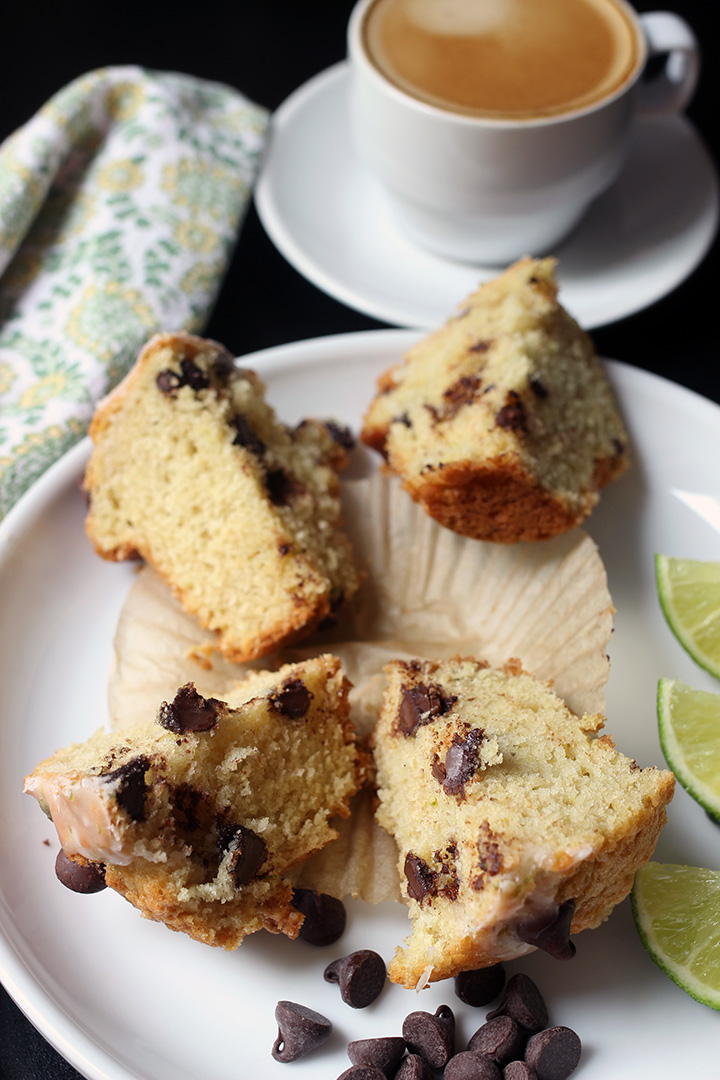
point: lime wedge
(689, 592)
(689, 726)
(677, 914)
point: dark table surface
(267, 48)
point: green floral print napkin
(120, 202)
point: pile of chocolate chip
(514, 1043)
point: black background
(267, 49)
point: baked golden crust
(502, 423)
(239, 514)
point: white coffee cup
(489, 189)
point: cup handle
(670, 36)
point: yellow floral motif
(50, 386)
(125, 100)
(204, 186)
(123, 175)
(7, 377)
(108, 314)
(201, 278)
(35, 440)
(196, 237)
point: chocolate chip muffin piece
(502, 424)
(240, 514)
(197, 814)
(515, 821)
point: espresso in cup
(505, 59)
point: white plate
(124, 998)
(329, 218)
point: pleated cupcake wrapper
(429, 593)
(120, 203)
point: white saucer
(329, 219)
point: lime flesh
(689, 592)
(677, 914)
(689, 728)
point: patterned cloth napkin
(120, 202)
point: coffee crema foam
(504, 59)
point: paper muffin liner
(428, 593)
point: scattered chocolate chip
(470, 1066)
(167, 381)
(462, 392)
(362, 1072)
(512, 416)
(403, 419)
(131, 789)
(245, 436)
(325, 916)
(480, 346)
(300, 1030)
(414, 1067)
(190, 375)
(538, 387)
(223, 366)
(384, 1053)
(420, 704)
(422, 880)
(249, 851)
(292, 699)
(480, 987)
(553, 1053)
(524, 1003)
(619, 447)
(500, 1039)
(432, 1035)
(189, 712)
(79, 877)
(360, 976)
(340, 434)
(280, 487)
(461, 762)
(519, 1070)
(550, 932)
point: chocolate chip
(360, 976)
(300, 1030)
(280, 487)
(470, 1066)
(292, 699)
(245, 436)
(190, 375)
(524, 1003)
(550, 932)
(131, 789)
(500, 1039)
(362, 1072)
(420, 704)
(422, 880)
(249, 851)
(325, 916)
(189, 712)
(340, 434)
(538, 387)
(480, 987)
(432, 1035)
(460, 393)
(519, 1070)
(384, 1053)
(414, 1067)
(79, 877)
(553, 1053)
(461, 762)
(512, 416)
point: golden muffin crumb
(197, 814)
(240, 514)
(510, 814)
